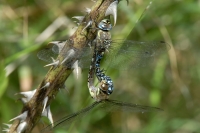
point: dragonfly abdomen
(106, 82)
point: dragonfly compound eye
(105, 25)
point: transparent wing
(58, 46)
(52, 51)
(70, 118)
(114, 105)
(86, 57)
(54, 48)
(126, 54)
(105, 105)
(123, 54)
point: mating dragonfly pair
(122, 54)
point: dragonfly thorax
(103, 40)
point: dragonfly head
(105, 25)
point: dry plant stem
(57, 76)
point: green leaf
(3, 79)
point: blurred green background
(171, 82)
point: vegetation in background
(171, 82)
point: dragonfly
(105, 105)
(137, 50)
(105, 88)
(102, 43)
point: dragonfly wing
(125, 54)
(113, 105)
(70, 118)
(85, 59)
(86, 54)
(52, 51)
(106, 105)
(46, 55)
(55, 47)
